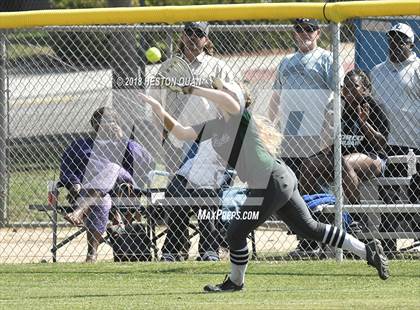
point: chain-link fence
(156, 197)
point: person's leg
(278, 192)
(212, 231)
(397, 170)
(96, 223)
(208, 245)
(177, 234)
(178, 220)
(350, 183)
(94, 239)
(315, 170)
(357, 167)
(296, 215)
(77, 217)
(236, 235)
(87, 198)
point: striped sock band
(239, 257)
(334, 236)
(239, 262)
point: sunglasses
(195, 32)
(308, 29)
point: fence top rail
(336, 12)
(166, 28)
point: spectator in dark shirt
(364, 135)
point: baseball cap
(314, 23)
(203, 26)
(405, 29)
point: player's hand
(187, 90)
(363, 112)
(217, 83)
(176, 88)
(182, 89)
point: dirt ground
(33, 245)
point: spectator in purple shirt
(92, 167)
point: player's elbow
(183, 133)
(234, 108)
(179, 133)
(229, 104)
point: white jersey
(205, 168)
(397, 87)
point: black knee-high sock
(239, 262)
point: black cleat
(376, 257)
(226, 286)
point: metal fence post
(170, 42)
(338, 190)
(125, 65)
(3, 132)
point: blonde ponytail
(269, 135)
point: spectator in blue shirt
(301, 91)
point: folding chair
(53, 210)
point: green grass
(297, 285)
(28, 188)
(27, 51)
